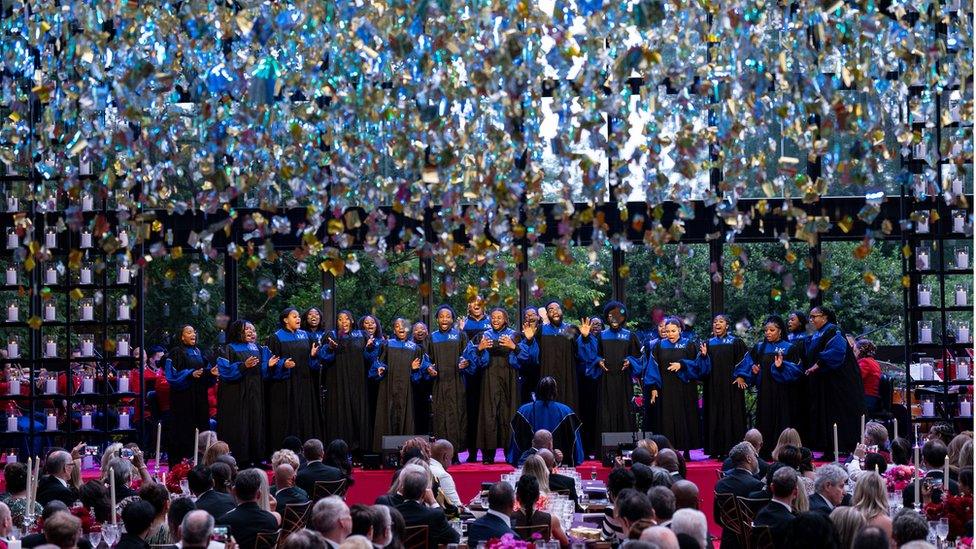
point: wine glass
(95, 537)
(185, 486)
(942, 530)
(110, 533)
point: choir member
(372, 329)
(674, 362)
(448, 369)
(797, 325)
(530, 315)
(613, 350)
(836, 388)
(473, 325)
(240, 396)
(773, 365)
(397, 368)
(294, 403)
(545, 413)
(496, 352)
(312, 324)
(422, 389)
(345, 382)
(558, 354)
(725, 406)
(190, 376)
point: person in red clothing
(870, 373)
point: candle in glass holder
(87, 310)
(965, 408)
(122, 345)
(13, 348)
(86, 421)
(123, 420)
(123, 239)
(52, 422)
(13, 312)
(962, 368)
(13, 204)
(959, 221)
(87, 346)
(925, 331)
(12, 457)
(123, 384)
(50, 312)
(924, 295)
(12, 240)
(922, 258)
(87, 384)
(51, 386)
(11, 277)
(51, 239)
(86, 239)
(961, 296)
(87, 202)
(14, 387)
(123, 309)
(928, 408)
(86, 274)
(11, 427)
(956, 186)
(50, 347)
(962, 258)
(124, 274)
(962, 332)
(922, 223)
(50, 276)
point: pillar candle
(862, 426)
(962, 259)
(124, 384)
(12, 204)
(123, 274)
(122, 347)
(159, 439)
(836, 445)
(959, 224)
(87, 202)
(962, 370)
(961, 297)
(124, 420)
(15, 387)
(13, 350)
(922, 261)
(965, 408)
(52, 422)
(928, 408)
(123, 239)
(924, 297)
(918, 476)
(12, 241)
(111, 476)
(87, 348)
(51, 276)
(925, 335)
(51, 240)
(13, 313)
(922, 225)
(86, 239)
(51, 386)
(50, 312)
(123, 311)
(86, 275)
(956, 186)
(87, 385)
(87, 312)
(196, 447)
(50, 348)
(896, 430)
(11, 427)
(962, 333)
(86, 421)
(30, 471)
(11, 276)
(11, 458)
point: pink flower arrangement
(958, 509)
(964, 543)
(509, 541)
(899, 477)
(176, 474)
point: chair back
(266, 540)
(762, 538)
(415, 537)
(750, 507)
(326, 488)
(526, 532)
(731, 516)
(293, 519)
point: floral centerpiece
(177, 474)
(509, 541)
(958, 509)
(899, 477)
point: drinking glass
(185, 486)
(110, 533)
(942, 530)
(95, 538)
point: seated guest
(63, 530)
(686, 495)
(15, 479)
(362, 520)
(933, 461)
(248, 519)
(660, 537)
(294, 445)
(755, 438)
(548, 414)
(121, 469)
(620, 479)
(871, 537)
(179, 508)
(901, 451)
(415, 488)
(663, 503)
(778, 513)
(56, 483)
(635, 512)
(667, 459)
(158, 496)
(738, 481)
(541, 440)
(6, 522)
(441, 455)
(662, 443)
(536, 467)
(527, 493)
(871, 500)
(286, 493)
(644, 455)
(195, 530)
(223, 477)
(848, 521)
(137, 517)
(828, 489)
(693, 523)
(40, 538)
(383, 524)
(873, 463)
(305, 539)
(201, 483)
(337, 455)
(908, 526)
(765, 493)
(496, 522)
(812, 530)
(331, 518)
(314, 470)
(561, 484)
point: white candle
(51, 386)
(925, 335)
(14, 387)
(928, 408)
(962, 334)
(965, 408)
(13, 313)
(196, 447)
(50, 348)
(123, 239)
(13, 350)
(87, 202)
(52, 422)
(51, 240)
(30, 480)
(11, 276)
(836, 445)
(959, 224)
(86, 239)
(86, 275)
(924, 297)
(12, 457)
(87, 312)
(11, 427)
(50, 312)
(51, 276)
(86, 421)
(159, 439)
(962, 370)
(87, 385)
(123, 274)
(961, 297)
(122, 347)
(957, 186)
(12, 204)
(124, 420)
(87, 348)
(123, 384)
(12, 241)
(922, 262)
(123, 311)
(896, 429)
(962, 259)
(111, 476)
(918, 475)
(922, 225)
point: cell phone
(91, 450)
(127, 453)
(221, 534)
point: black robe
(445, 350)
(558, 354)
(189, 402)
(293, 404)
(676, 409)
(394, 403)
(615, 387)
(472, 329)
(777, 386)
(240, 402)
(725, 404)
(499, 390)
(346, 395)
(836, 391)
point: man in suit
(496, 522)
(56, 483)
(201, 483)
(933, 463)
(287, 493)
(40, 538)
(778, 513)
(828, 489)
(415, 488)
(248, 519)
(314, 470)
(138, 518)
(738, 481)
(755, 438)
(331, 518)
(195, 530)
(686, 495)
(558, 483)
(667, 459)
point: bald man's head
(548, 457)
(542, 439)
(284, 475)
(685, 494)
(754, 437)
(443, 451)
(661, 536)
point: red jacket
(870, 375)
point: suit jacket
(314, 472)
(131, 541)
(485, 528)
(49, 488)
(740, 483)
(290, 495)
(908, 494)
(216, 503)
(245, 521)
(438, 530)
(820, 504)
(34, 540)
(778, 518)
(390, 500)
(563, 483)
(761, 474)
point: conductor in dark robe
(190, 376)
(559, 355)
(397, 368)
(449, 369)
(240, 394)
(615, 350)
(345, 352)
(836, 388)
(725, 405)
(549, 415)
(773, 365)
(473, 324)
(294, 404)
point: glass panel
(268, 288)
(492, 278)
(580, 279)
(184, 290)
(389, 294)
(676, 281)
(764, 278)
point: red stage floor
(468, 477)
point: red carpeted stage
(469, 476)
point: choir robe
(725, 404)
(394, 403)
(240, 401)
(315, 363)
(445, 350)
(559, 356)
(346, 395)
(472, 328)
(499, 387)
(836, 390)
(614, 387)
(675, 414)
(189, 401)
(555, 417)
(801, 404)
(777, 386)
(293, 405)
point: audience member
(201, 483)
(137, 517)
(178, 509)
(62, 529)
(527, 493)
(356, 542)
(314, 470)
(812, 530)
(663, 502)
(634, 508)
(158, 496)
(6, 521)
(907, 526)
(304, 539)
(871, 500)
(754, 438)
(496, 522)
(416, 490)
(667, 459)
(248, 519)
(337, 455)
(828, 489)
(933, 462)
(223, 477)
(620, 479)
(778, 513)
(286, 493)
(195, 529)
(441, 456)
(15, 480)
(738, 481)
(848, 521)
(693, 523)
(56, 482)
(662, 537)
(686, 495)
(383, 525)
(331, 518)
(871, 537)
